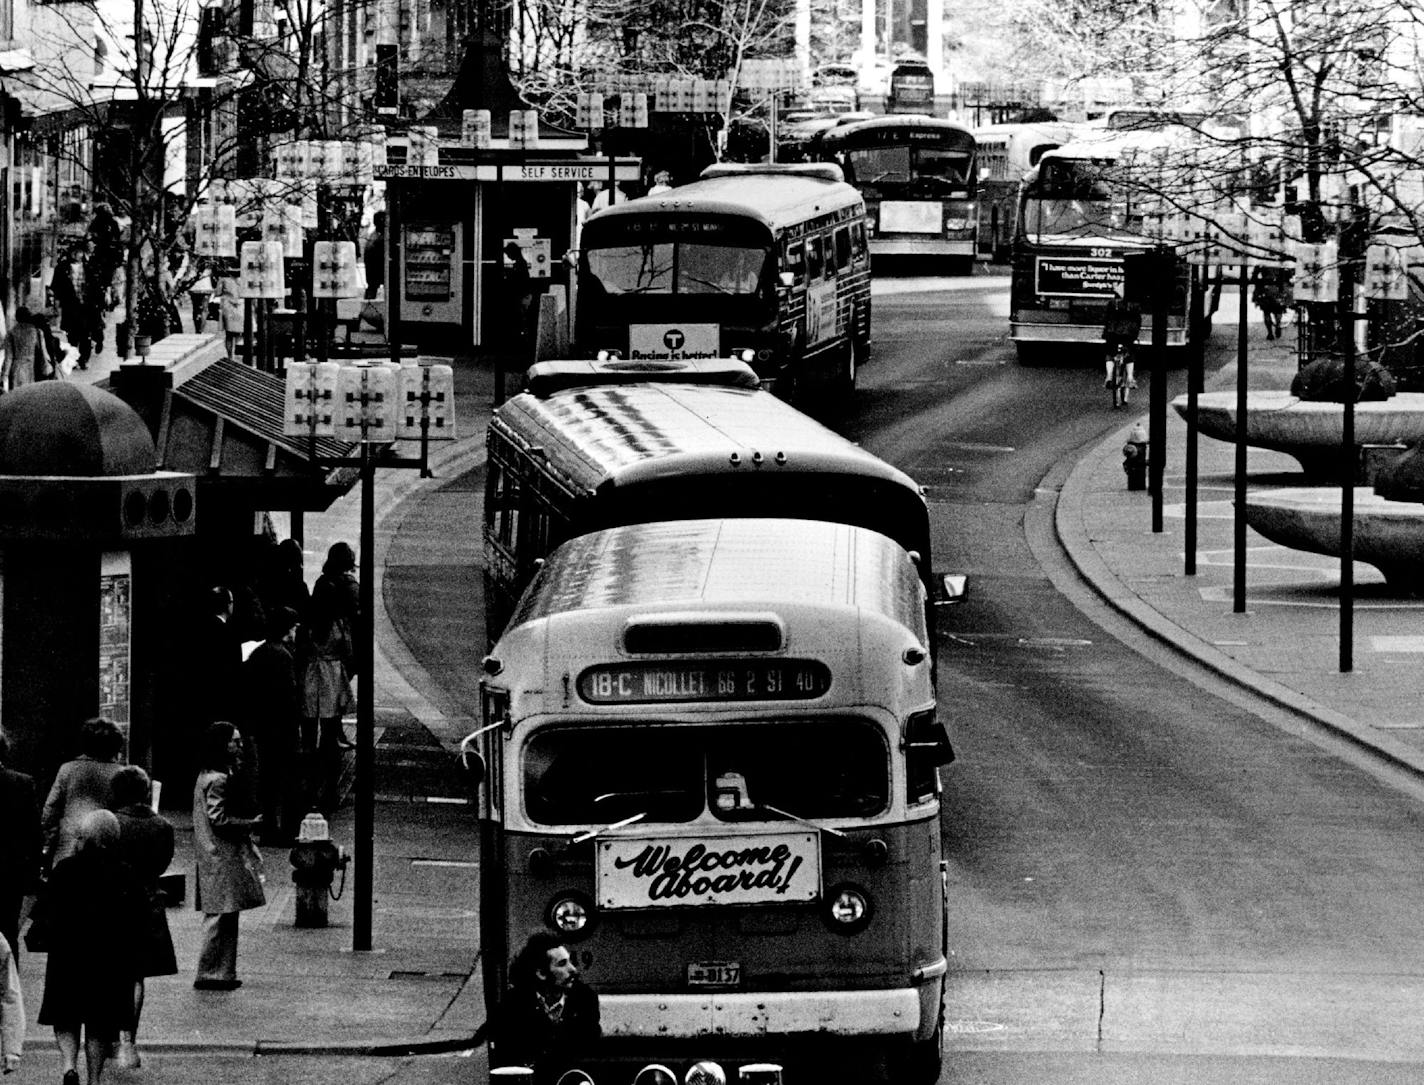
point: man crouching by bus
(549, 1017)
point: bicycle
(1119, 381)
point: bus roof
(608, 435)
(773, 197)
(545, 378)
(866, 131)
(665, 570)
(706, 450)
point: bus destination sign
(1078, 276)
(758, 868)
(713, 680)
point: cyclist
(1122, 321)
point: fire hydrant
(1134, 458)
(314, 862)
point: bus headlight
(570, 914)
(609, 356)
(747, 355)
(655, 1074)
(705, 1073)
(847, 909)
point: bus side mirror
(953, 587)
(472, 763)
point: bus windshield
(1069, 196)
(933, 168)
(673, 773)
(677, 267)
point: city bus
(757, 261)
(710, 761)
(1006, 152)
(1078, 240)
(579, 459)
(920, 181)
(912, 88)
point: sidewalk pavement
(419, 989)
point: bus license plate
(714, 974)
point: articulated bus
(710, 761)
(579, 459)
(1076, 243)
(920, 182)
(1006, 153)
(762, 262)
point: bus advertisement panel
(640, 714)
(761, 262)
(919, 177)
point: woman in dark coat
(146, 844)
(97, 912)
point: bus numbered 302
(710, 761)
(1077, 242)
(761, 262)
(920, 181)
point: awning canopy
(224, 422)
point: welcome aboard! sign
(761, 868)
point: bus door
(821, 316)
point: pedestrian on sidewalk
(549, 1016)
(77, 292)
(146, 845)
(231, 307)
(12, 1011)
(273, 718)
(97, 915)
(283, 582)
(374, 255)
(21, 844)
(229, 878)
(81, 787)
(106, 247)
(27, 359)
(1269, 292)
(328, 654)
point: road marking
(1401, 643)
(461, 863)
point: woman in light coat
(229, 865)
(81, 786)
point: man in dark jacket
(20, 844)
(273, 717)
(549, 1017)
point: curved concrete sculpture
(1308, 430)
(1387, 534)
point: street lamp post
(373, 405)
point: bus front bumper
(894, 1012)
(1086, 333)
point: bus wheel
(920, 1063)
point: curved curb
(1072, 536)
(352, 1048)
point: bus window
(857, 241)
(718, 269)
(815, 258)
(577, 777)
(632, 269)
(795, 261)
(842, 770)
(842, 245)
(502, 493)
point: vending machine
(431, 285)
